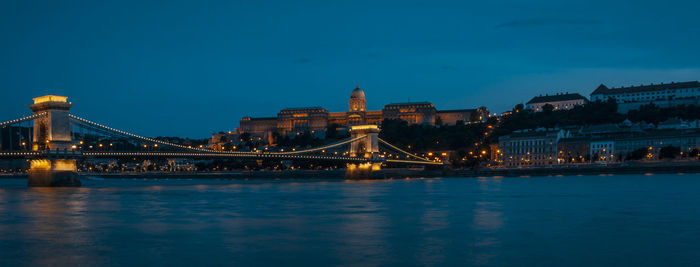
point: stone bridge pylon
(367, 147)
(52, 132)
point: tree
(637, 154)
(547, 108)
(519, 108)
(332, 131)
(245, 137)
(669, 152)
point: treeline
(421, 138)
(654, 114)
(592, 113)
(597, 112)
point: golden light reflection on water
(58, 218)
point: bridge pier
(53, 172)
(368, 170)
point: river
(620, 220)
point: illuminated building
(302, 120)
(261, 127)
(411, 112)
(316, 120)
(455, 116)
(558, 101)
(531, 148)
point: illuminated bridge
(52, 139)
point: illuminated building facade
(411, 112)
(531, 148)
(316, 120)
(455, 116)
(302, 120)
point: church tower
(357, 100)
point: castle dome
(357, 93)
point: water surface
(621, 220)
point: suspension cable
(35, 116)
(94, 124)
(137, 136)
(319, 148)
(400, 150)
(415, 162)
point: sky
(192, 68)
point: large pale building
(663, 95)
(558, 101)
(316, 120)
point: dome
(357, 93)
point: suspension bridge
(52, 140)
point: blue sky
(190, 68)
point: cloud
(545, 22)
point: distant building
(316, 120)
(311, 119)
(531, 148)
(603, 150)
(411, 112)
(614, 142)
(663, 95)
(455, 116)
(261, 127)
(558, 101)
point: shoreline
(682, 167)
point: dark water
(625, 220)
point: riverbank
(662, 167)
(658, 168)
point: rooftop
(555, 98)
(50, 98)
(410, 103)
(260, 118)
(602, 89)
(305, 109)
(456, 110)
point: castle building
(411, 112)
(558, 101)
(316, 120)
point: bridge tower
(52, 133)
(367, 147)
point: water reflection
(487, 221)
(482, 222)
(57, 219)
